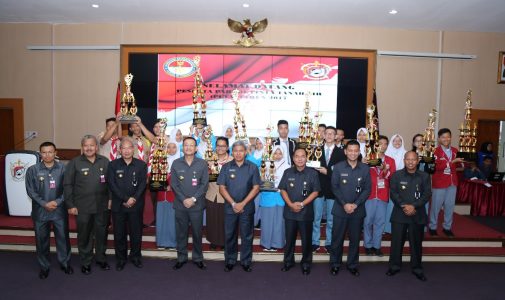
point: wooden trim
(484, 114)
(16, 104)
(68, 154)
(370, 55)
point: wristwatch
(194, 199)
(301, 204)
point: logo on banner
(18, 170)
(180, 67)
(316, 70)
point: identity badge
(52, 184)
(102, 178)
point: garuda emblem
(247, 31)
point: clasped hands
(409, 209)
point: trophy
(211, 156)
(315, 146)
(128, 107)
(268, 176)
(305, 129)
(159, 165)
(308, 136)
(467, 133)
(372, 146)
(240, 135)
(199, 116)
(427, 150)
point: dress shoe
(43, 274)
(306, 270)
(379, 253)
(137, 263)
(433, 232)
(353, 271)
(103, 265)
(68, 270)
(179, 265)
(286, 268)
(368, 251)
(200, 265)
(120, 266)
(86, 270)
(228, 267)
(420, 276)
(392, 272)
(247, 268)
(448, 233)
(334, 270)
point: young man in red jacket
(377, 202)
(444, 183)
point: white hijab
(280, 165)
(171, 158)
(397, 154)
(362, 146)
(173, 135)
(231, 140)
(258, 153)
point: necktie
(287, 149)
(327, 155)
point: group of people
(109, 179)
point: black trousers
(92, 231)
(245, 224)
(182, 220)
(398, 237)
(341, 226)
(42, 239)
(127, 223)
(292, 228)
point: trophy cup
(239, 121)
(199, 116)
(159, 166)
(211, 156)
(372, 145)
(314, 148)
(305, 129)
(128, 106)
(268, 176)
(467, 134)
(427, 150)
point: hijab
(231, 139)
(258, 153)
(280, 165)
(171, 158)
(362, 146)
(173, 135)
(397, 154)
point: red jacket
(440, 180)
(376, 174)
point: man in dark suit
(333, 152)
(283, 130)
(410, 191)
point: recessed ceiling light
(245, 5)
(95, 5)
(393, 12)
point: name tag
(447, 171)
(194, 182)
(381, 183)
(52, 184)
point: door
(488, 131)
(7, 129)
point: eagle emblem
(247, 31)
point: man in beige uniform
(142, 138)
(109, 139)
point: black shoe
(228, 267)
(315, 248)
(368, 251)
(86, 270)
(334, 270)
(353, 271)
(103, 265)
(68, 270)
(212, 247)
(392, 272)
(247, 268)
(137, 263)
(200, 265)
(120, 266)
(306, 270)
(43, 274)
(179, 265)
(379, 253)
(286, 268)
(420, 276)
(448, 233)
(433, 232)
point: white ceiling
(452, 15)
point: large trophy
(268, 176)
(211, 156)
(467, 133)
(309, 137)
(427, 150)
(159, 164)
(238, 120)
(199, 115)
(128, 107)
(372, 150)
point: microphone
(26, 139)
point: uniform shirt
(189, 181)
(413, 189)
(106, 149)
(294, 182)
(127, 181)
(380, 180)
(40, 189)
(239, 181)
(85, 184)
(350, 186)
(445, 171)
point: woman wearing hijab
(361, 136)
(176, 135)
(396, 150)
(165, 213)
(272, 206)
(229, 133)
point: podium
(16, 166)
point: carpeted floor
(497, 223)
(157, 280)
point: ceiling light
(393, 12)
(245, 5)
(95, 5)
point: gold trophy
(199, 115)
(268, 177)
(305, 128)
(211, 156)
(467, 134)
(314, 149)
(159, 165)
(372, 146)
(239, 121)
(427, 150)
(128, 106)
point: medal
(291, 184)
(232, 175)
(181, 177)
(120, 175)
(344, 181)
(41, 178)
(85, 173)
(403, 187)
